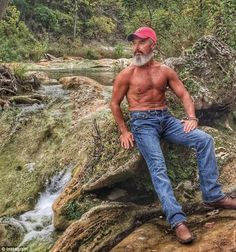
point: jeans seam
(212, 201)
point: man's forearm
(189, 106)
(117, 113)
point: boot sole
(190, 240)
(207, 207)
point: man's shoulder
(162, 66)
(126, 72)
(128, 69)
(168, 71)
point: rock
(77, 64)
(73, 82)
(212, 213)
(96, 230)
(4, 103)
(23, 99)
(117, 193)
(88, 95)
(50, 57)
(11, 232)
(175, 63)
(215, 234)
(207, 71)
(42, 77)
(209, 224)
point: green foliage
(19, 71)
(16, 41)
(46, 17)
(76, 208)
(119, 50)
(92, 54)
(72, 211)
(101, 25)
(174, 156)
(178, 25)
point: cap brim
(132, 36)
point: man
(144, 83)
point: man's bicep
(176, 84)
(120, 89)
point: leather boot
(183, 234)
(228, 202)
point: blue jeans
(151, 125)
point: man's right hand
(127, 140)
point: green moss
(30, 153)
(177, 169)
(38, 245)
(72, 211)
(77, 207)
(189, 82)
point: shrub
(17, 42)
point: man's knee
(206, 139)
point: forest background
(98, 28)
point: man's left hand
(189, 125)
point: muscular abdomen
(146, 100)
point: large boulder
(208, 72)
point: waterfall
(38, 222)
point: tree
(75, 18)
(3, 6)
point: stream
(38, 223)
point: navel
(139, 91)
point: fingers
(132, 137)
(127, 141)
(131, 141)
(189, 125)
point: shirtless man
(144, 83)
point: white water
(54, 91)
(38, 222)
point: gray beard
(140, 60)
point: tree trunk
(3, 6)
(75, 18)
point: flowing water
(55, 91)
(38, 223)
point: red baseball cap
(143, 33)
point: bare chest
(144, 81)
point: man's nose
(136, 47)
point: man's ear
(153, 45)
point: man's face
(142, 46)
(142, 51)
